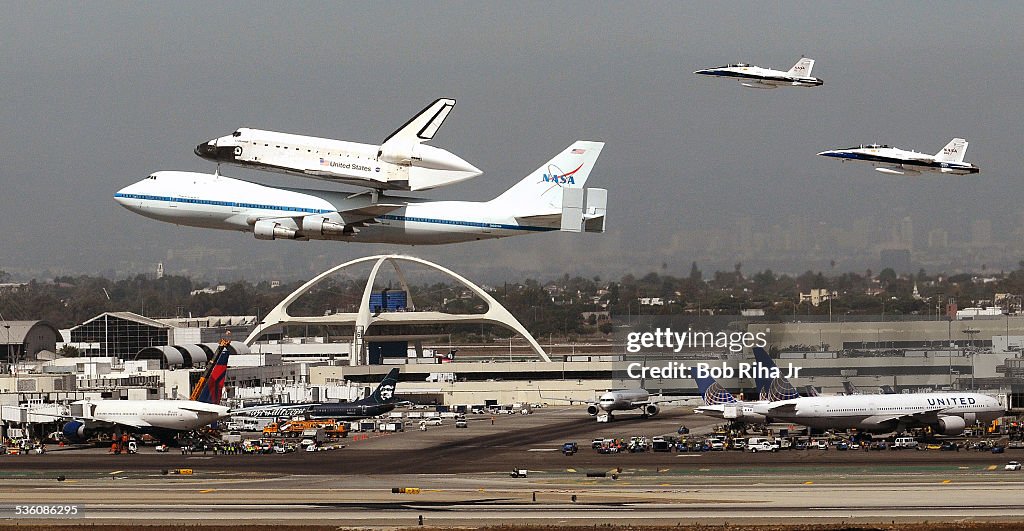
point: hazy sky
(95, 96)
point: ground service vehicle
(904, 442)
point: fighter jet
(895, 161)
(766, 78)
(401, 162)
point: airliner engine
(267, 229)
(952, 425)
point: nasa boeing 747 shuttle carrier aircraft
(551, 198)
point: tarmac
(460, 477)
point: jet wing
(571, 401)
(367, 214)
(925, 416)
(782, 410)
(655, 400)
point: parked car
(596, 443)
(461, 423)
(1012, 465)
(570, 448)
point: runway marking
(116, 472)
(570, 470)
(542, 450)
(689, 455)
(207, 491)
(991, 467)
(808, 483)
(946, 481)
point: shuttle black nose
(206, 150)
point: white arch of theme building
(363, 318)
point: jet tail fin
(213, 388)
(385, 392)
(554, 194)
(954, 151)
(713, 392)
(777, 388)
(423, 126)
(802, 67)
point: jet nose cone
(123, 197)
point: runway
(462, 477)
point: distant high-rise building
(160, 270)
(981, 232)
(938, 239)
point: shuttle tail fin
(713, 392)
(802, 67)
(553, 195)
(423, 126)
(954, 151)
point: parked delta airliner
(161, 418)
(549, 199)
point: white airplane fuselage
(218, 202)
(757, 77)
(735, 411)
(178, 415)
(895, 161)
(883, 413)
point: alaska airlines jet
(549, 199)
(160, 418)
(895, 161)
(945, 413)
(381, 401)
(765, 78)
(401, 162)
